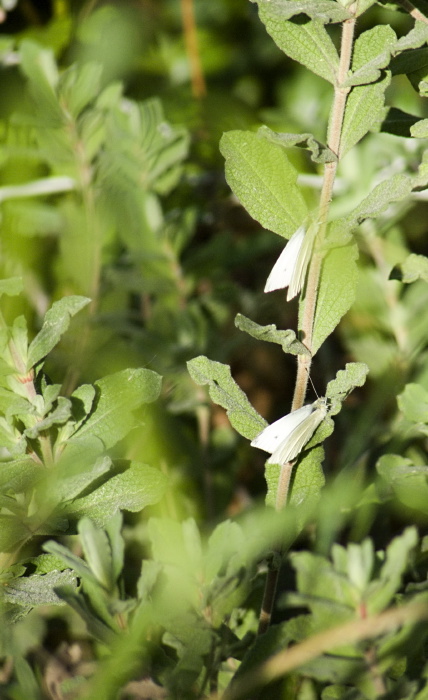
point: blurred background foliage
(112, 186)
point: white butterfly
(290, 268)
(285, 438)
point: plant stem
(199, 88)
(334, 135)
(304, 361)
(413, 11)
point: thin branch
(199, 88)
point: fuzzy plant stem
(304, 361)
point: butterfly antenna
(313, 385)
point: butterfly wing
(292, 444)
(282, 272)
(274, 435)
(298, 275)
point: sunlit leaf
(264, 180)
(306, 42)
(119, 395)
(55, 323)
(336, 294)
(137, 487)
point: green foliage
(54, 466)
(259, 172)
(129, 517)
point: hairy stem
(304, 361)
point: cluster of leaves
(53, 448)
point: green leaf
(413, 268)
(364, 111)
(38, 64)
(78, 467)
(323, 10)
(362, 5)
(413, 402)
(39, 589)
(415, 38)
(401, 123)
(56, 322)
(414, 64)
(308, 480)
(120, 395)
(407, 480)
(11, 286)
(18, 475)
(319, 152)
(260, 174)
(97, 551)
(409, 62)
(79, 85)
(305, 42)
(134, 489)
(354, 374)
(45, 563)
(391, 190)
(117, 545)
(397, 560)
(13, 533)
(70, 560)
(225, 392)
(372, 52)
(226, 542)
(58, 416)
(337, 288)
(96, 626)
(323, 589)
(287, 339)
(419, 128)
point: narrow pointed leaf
(337, 288)
(97, 551)
(56, 322)
(401, 123)
(364, 111)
